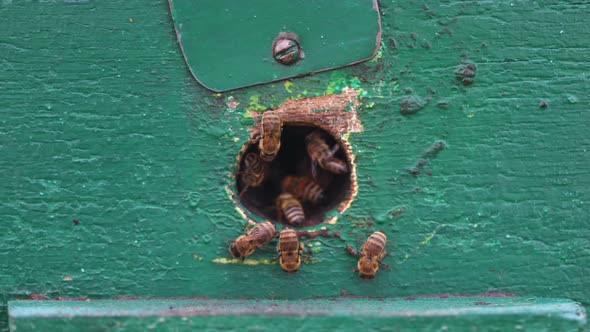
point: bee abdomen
(294, 213)
(313, 193)
(288, 241)
(303, 188)
(291, 208)
(375, 243)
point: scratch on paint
(247, 261)
(428, 238)
(424, 242)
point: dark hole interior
(293, 159)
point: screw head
(286, 49)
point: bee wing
(360, 239)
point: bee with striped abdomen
(322, 155)
(302, 188)
(289, 250)
(371, 255)
(290, 209)
(270, 141)
(254, 171)
(255, 237)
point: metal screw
(286, 49)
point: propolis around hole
(293, 160)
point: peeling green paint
(255, 104)
(339, 80)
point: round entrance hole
(293, 160)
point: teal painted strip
(460, 313)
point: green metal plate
(228, 44)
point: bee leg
(334, 150)
(314, 170)
(279, 216)
(385, 266)
(351, 251)
(355, 270)
(249, 225)
(243, 191)
(302, 248)
(276, 258)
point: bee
(270, 141)
(289, 207)
(321, 154)
(302, 188)
(371, 255)
(289, 250)
(255, 237)
(254, 171)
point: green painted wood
(228, 44)
(101, 121)
(422, 314)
